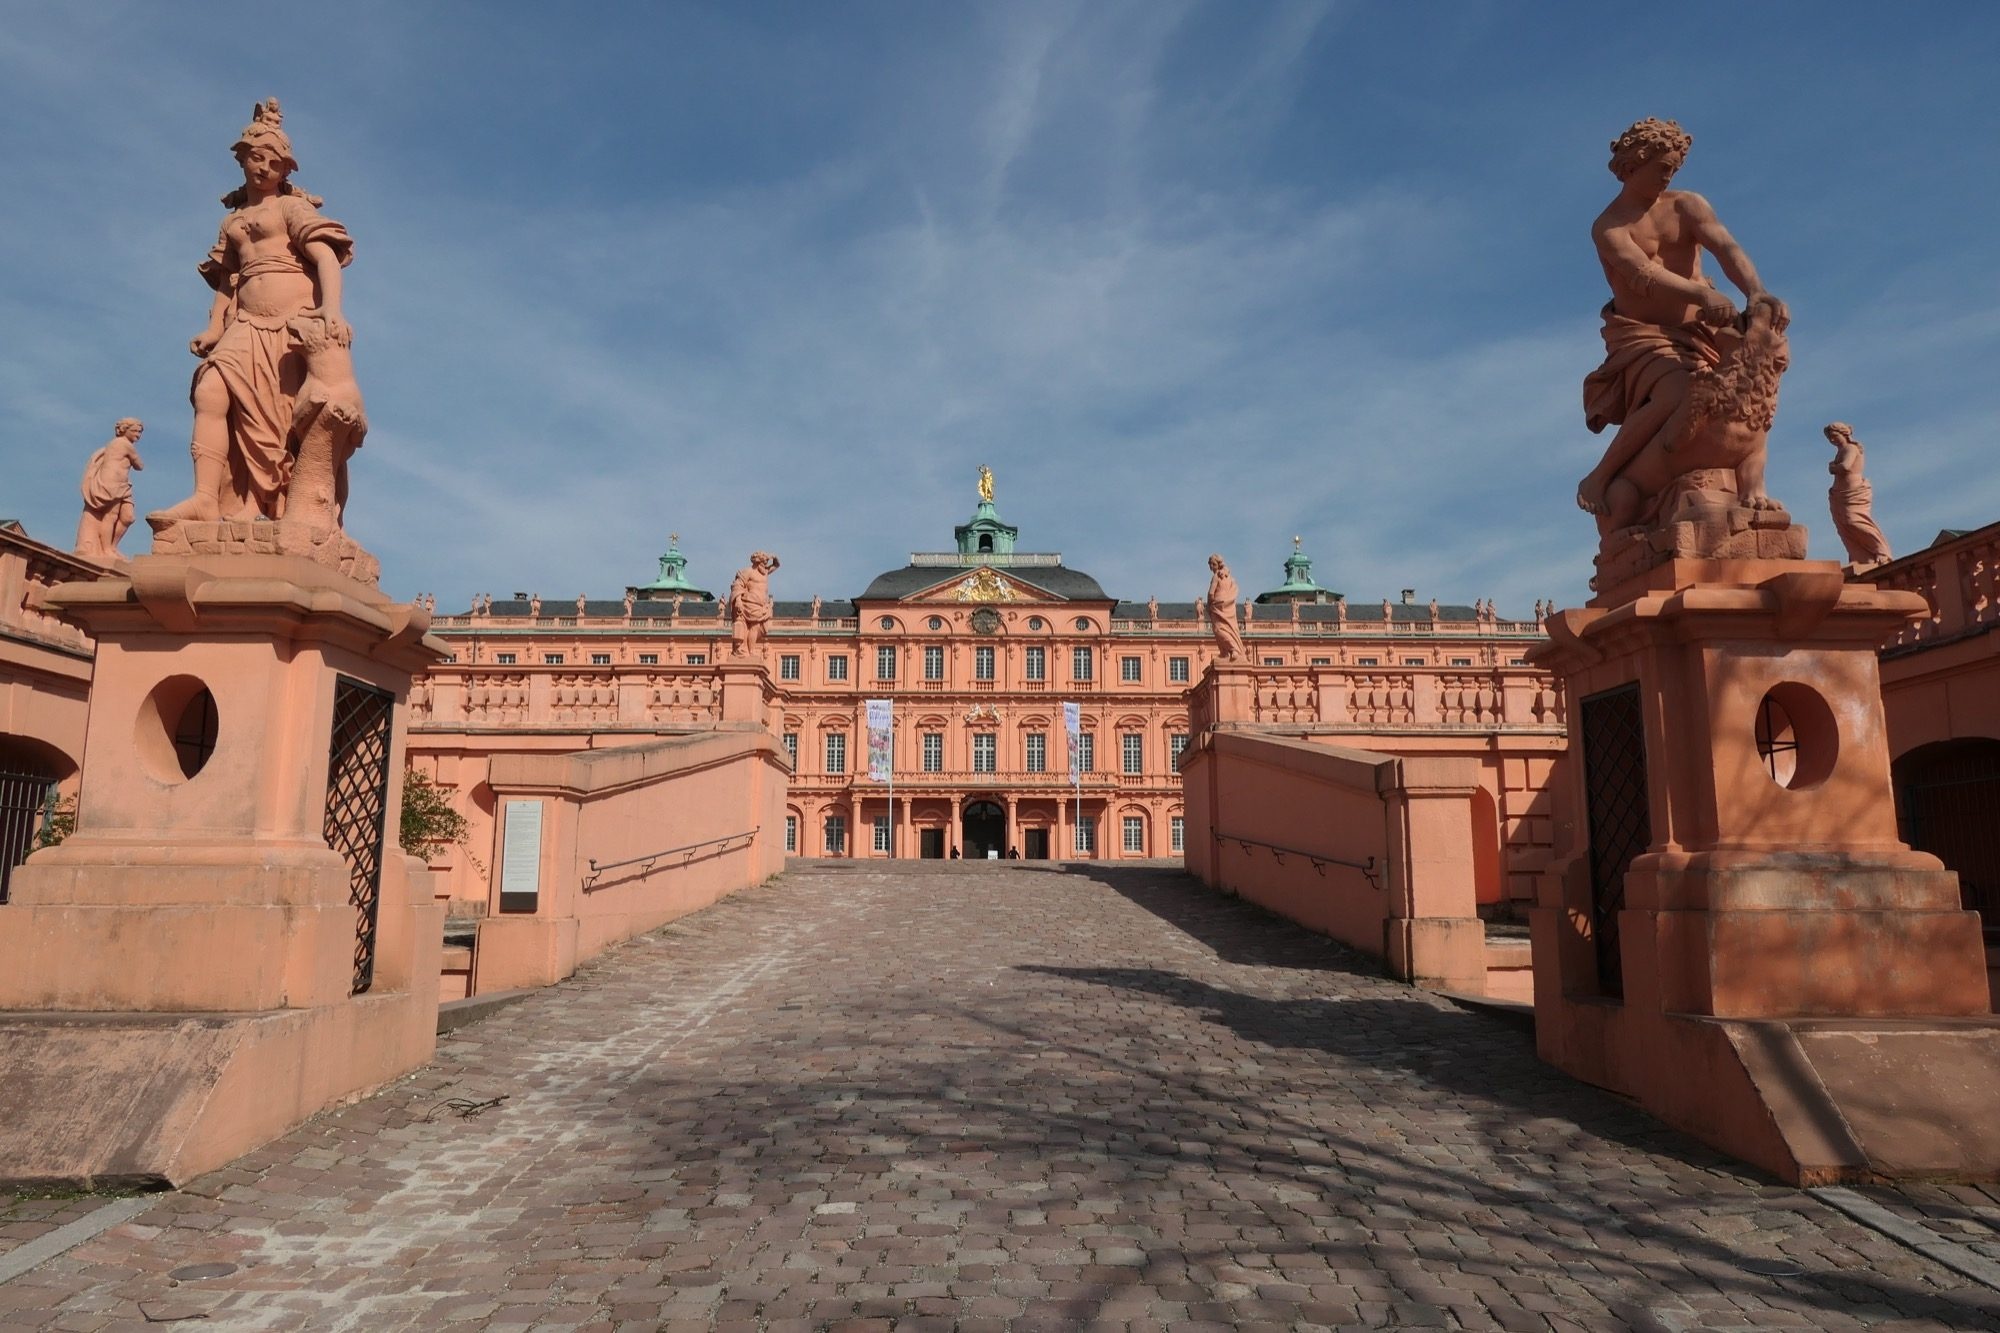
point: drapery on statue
(1221, 604)
(1689, 381)
(986, 483)
(750, 599)
(107, 493)
(1852, 500)
(276, 408)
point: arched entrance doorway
(985, 830)
(1948, 804)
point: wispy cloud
(1190, 277)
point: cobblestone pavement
(987, 1097)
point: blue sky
(1189, 277)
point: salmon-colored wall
(617, 805)
(1375, 851)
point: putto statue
(107, 493)
(1221, 604)
(276, 408)
(750, 599)
(1852, 500)
(1690, 382)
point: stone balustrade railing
(1959, 578)
(1403, 699)
(533, 698)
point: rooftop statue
(1852, 500)
(276, 408)
(1221, 604)
(750, 599)
(986, 483)
(107, 493)
(1690, 382)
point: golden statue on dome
(985, 484)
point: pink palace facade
(978, 648)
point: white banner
(1073, 725)
(881, 742)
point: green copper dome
(673, 577)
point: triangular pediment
(982, 585)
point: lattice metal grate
(24, 806)
(357, 805)
(1621, 824)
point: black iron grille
(24, 804)
(1621, 826)
(357, 805)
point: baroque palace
(978, 648)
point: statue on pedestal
(750, 599)
(1690, 383)
(107, 493)
(1221, 605)
(1852, 500)
(277, 411)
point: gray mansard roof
(1071, 585)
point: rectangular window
(1132, 752)
(983, 747)
(1086, 834)
(1177, 670)
(792, 834)
(1128, 669)
(1036, 665)
(788, 666)
(836, 835)
(933, 662)
(649, 659)
(1086, 752)
(1368, 661)
(552, 659)
(982, 663)
(697, 659)
(885, 663)
(1176, 747)
(933, 752)
(1178, 825)
(1322, 661)
(1135, 834)
(1274, 661)
(881, 833)
(1079, 663)
(600, 659)
(1038, 752)
(1517, 661)
(504, 659)
(1413, 661)
(792, 749)
(1461, 661)
(836, 667)
(836, 752)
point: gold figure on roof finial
(1295, 544)
(986, 483)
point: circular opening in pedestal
(177, 729)
(1797, 737)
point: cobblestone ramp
(986, 1097)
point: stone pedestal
(1730, 896)
(233, 916)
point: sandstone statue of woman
(1221, 601)
(275, 322)
(1852, 500)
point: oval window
(1083, 622)
(936, 623)
(1034, 622)
(887, 622)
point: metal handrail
(686, 852)
(1320, 860)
